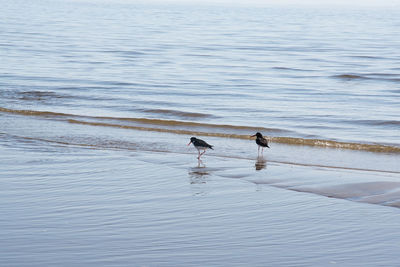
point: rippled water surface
(316, 73)
(68, 205)
(98, 101)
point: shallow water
(98, 102)
(69, 205)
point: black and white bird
(261, 142)
(200, 145)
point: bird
(261, 142)
(200, 145)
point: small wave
(39, 95)
(177, 113)
(131, 53)
(143, 121)
(378, 122)
(367, 57)
(388, 77)
(291, 69)
(157, 129)
(336, 144)
(202, 129)
(34, 113)
(350, 77)
(283, 140)
(33, 95)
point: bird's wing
(203, 143)
(263, 141)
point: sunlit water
(98, 101)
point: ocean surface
(320, 74)
(98, 100)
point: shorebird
(199, 145)
(261, 142)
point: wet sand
(69, 205)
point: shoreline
(203, 129)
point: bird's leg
(258, 152)
(201, 154)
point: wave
(282, 140)
(202, 129)
(292, 69)
(140, 122)
(39, 95)
(33, 95)
(349, 77)
(34, 113)
(177, 113)
(389, 77)
(379, 122)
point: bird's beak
(189, 143)
(252, 135)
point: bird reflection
(198, 180)
(197, 173)
(260, 164)
(200, 163)
(197, 176)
